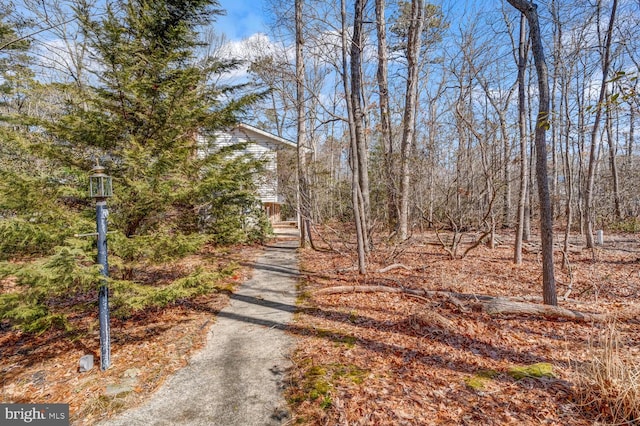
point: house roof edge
(275, 138)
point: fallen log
(343, 289)
(489, 304)
(392, 267)
(503, 306)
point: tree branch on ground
(394, 266)
(489, 304)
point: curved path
(236, 380)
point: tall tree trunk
(632, 119)
(522, 125)
(432, 158)
(613, 164)
(555, 128)
(580, 90)
(568, 173)
(529, 9)
(506, 155)
(355, 185)
(606, 62)
(531, 123)
(411, 99)
(385, 117)
(361, 152)
(303, 187)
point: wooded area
(432, 101)
(434, 340)
(505, 128)
(405, 125)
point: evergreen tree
(149, 113)
(151, 118)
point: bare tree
(385, 115)
(360, 152)
(303, 186)
(356, 199)
(411, 101)
(606, 62)
(522, 126)
(59, 20)
(613, 164)
(529, 9)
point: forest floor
(372, 358)
(381, 358)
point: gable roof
(245, 128)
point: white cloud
(250, 49)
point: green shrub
(129, 297)
(22, 237)
(156, 248)
(630, 224)
(237, 223)
(44, 287)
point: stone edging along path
(236, 380)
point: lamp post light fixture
(100, 189)
(99, 183)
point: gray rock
(86, 363)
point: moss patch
(336, 337)
(319, 381)
(353, 373)
(476, 383)
(479, 380)
(536, 371)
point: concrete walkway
(236, 380)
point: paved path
(236, 380)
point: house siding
(263, 147)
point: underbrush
(45, 293)
(608, 384)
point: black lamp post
(100, 188)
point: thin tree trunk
(555, 192)
(385, 118)
(506, 212)
(581, 182)
(542, 123)
(522, 124)
(432, 159)
(411, 100)
(528, 214)
(606, 61)
(632, 117)
(568, 173)
(613, 152)
(303, 195)
(361, 154)
(355, 199)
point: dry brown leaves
(149, 346)
(382, 359)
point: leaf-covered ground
(373, 358)
(388, 359)
(145, 348)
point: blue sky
(243, 18)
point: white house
(265, 146)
